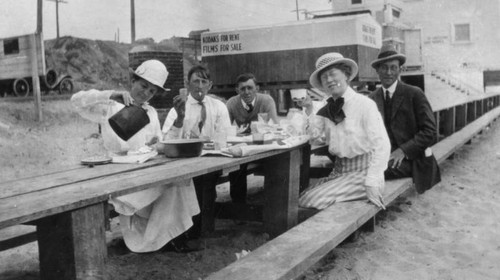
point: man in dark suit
(409, 121)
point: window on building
(395, 13)
(11, 46)
(462, 32)
(356, 2)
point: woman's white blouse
(361, 132)
(96, 106)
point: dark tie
(333, 110)
(250, 107)
(387, 117)
(387, 107)
(203, 115)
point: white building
(454, 39)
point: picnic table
(68, 207)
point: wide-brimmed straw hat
(330, 59)
(388, 52)
(152, 71)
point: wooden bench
(68, 207)
(290, 254)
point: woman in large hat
(149, 219)
(352, 127)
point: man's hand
(373, 194)
(242, 129)
(180, 108)
(397, 158)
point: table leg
(304, 167)
(206, 194)
(281, 189)
(72, 245)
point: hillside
(100, 64)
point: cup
(220, 140)
(298, 94)
(258, 138)
(183, 91)
(263, 117)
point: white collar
(391, 89)
(245, 105)
(191, 100)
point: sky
(157, 19)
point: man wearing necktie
(245, 107)
(198, 115)
(409, 121)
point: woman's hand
(153, 141)
(373, 194)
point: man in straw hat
(409, 121)
(149, 219)
(354, 133)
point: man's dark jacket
(413, 128)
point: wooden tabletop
(32, 198)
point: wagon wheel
(21, 88)
(66, 86)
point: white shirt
(217, 119)
(245, 105)
(361, 132)
(96, 106)
(391, 89)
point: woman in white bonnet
(149, 219)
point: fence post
(449, 122)
(461, 116)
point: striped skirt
(346, 182)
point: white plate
(96, 160)
(182, 141)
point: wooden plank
(72, 245)
(16, 236)
(290, 254)
(281, 192)
(35, 205)
(74, 174)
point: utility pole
(57, 14)
(297, 8)
(132, 20)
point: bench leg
(281, 191)
(72, 245)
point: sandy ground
(450, 232)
